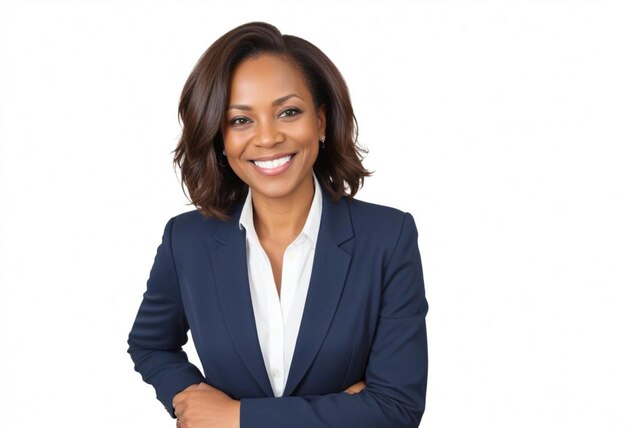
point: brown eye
(290, 112)
(238, 121)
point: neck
(282, 219)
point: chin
(275, 190)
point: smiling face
(271, 128)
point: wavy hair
(212, 185)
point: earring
(221, 160)
(323, 140)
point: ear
(321, 119)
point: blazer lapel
(231, 279)
(330, 267)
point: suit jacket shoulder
(377, 226)
(191, 228)
(368, 214)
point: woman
(306, 305)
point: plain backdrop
(500, 125)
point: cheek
(305, 134)
(233, 144)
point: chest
(338, 309)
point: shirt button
(275, 372)
(275, 331)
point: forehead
(264, 78)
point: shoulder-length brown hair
(213, 186)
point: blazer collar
(311, 225)
(330, 267)
(335, 222)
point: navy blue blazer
(364, 319)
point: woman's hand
(202, 405)
(356, 388)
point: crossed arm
(203, 405)
(396, 371)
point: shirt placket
(276, 333)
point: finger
(180, 420)
(356, 388)
(183, 394)
(178, 398)
(360, 386)
(179, 404)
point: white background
(500, 125)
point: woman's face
(271, 128)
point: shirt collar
(313, 220)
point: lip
(274, 171)
(272, 157)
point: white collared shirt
(278, 318)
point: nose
(268, 133)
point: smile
(274, 166)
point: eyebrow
(274, 103)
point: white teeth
(275, 163)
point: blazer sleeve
(396, 371)
(160, 330)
